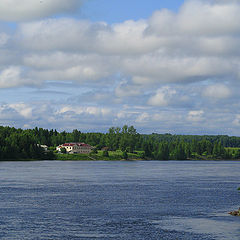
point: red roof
(68, 144)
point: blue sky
(162, 66)
(116, 11)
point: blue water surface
(177, 200)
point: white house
(75, 148)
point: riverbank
(137, 156)
(87, 158)
(115, 156)
(112, 156)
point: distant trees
(20, 144)
(105, 153)
(125, 155)
(124, 138)
(23, 144)
(162, 152)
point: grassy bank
(118, 156)
(112, 155)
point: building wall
(76, 149)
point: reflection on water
(119, 200)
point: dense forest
(25, 144)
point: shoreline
(126, 160)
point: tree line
(25, 144)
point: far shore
(126, 160)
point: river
(175, 200)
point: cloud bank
(199, 42)
(175, 70)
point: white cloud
(217, 91)
(236, 121)
(11, 77)
(141, 80)
(7, 113)
(51, 34)
(23, 109)
(124, 89)
(60, 66)
(13, 10)
(158, 68)
(195, 116)
(143, 117)
(96, 111)
(188, 52)
(78, 73)
(209, 18)
(190, 49)
(68, 117)
(163, 97)
(198, 17)
(125, 38)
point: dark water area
(119, 200)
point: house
(75, 148)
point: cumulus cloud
(236, 121)
(100, 118)
(143, 117)
(7, 113)
(187, 46)
(46, 114)
(16, 114)
(12, 10)
(173, 61)
(198, 17)
(217, 91)
(95, 111)
(195, 116)
(11, 77)
(60, 66)
(163, 97)
(71, 67)
(23, 109)
(125, 38)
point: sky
(166, 66)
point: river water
(175, 200)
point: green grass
(73, 157)
(232, 148)
(113, 155)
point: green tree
(162, 153)
(179, 152)
(237, 154)
(105, 153)
(63, 150)
(76, 135)
(95, 151)
(147, 149)
(219, 150)
(125, 155)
